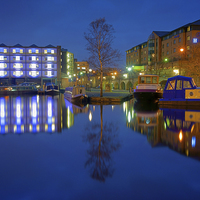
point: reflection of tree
(103, 141)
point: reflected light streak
(129, 117)
(90, 116)
(180, 135)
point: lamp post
(181, 50)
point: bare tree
(99, 40)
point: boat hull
(79, 99)
(147, 95)
(52, 92)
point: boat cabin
(75, 90)
(148, 79)
(179, 87)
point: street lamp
(181, 50)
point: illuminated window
(188, 28)
(3, 73)
(33, 66)
(83, 67)
(3, 65)
(14, 50)
(78, 67)
(45, 51)
(1, 57)
(21, 50)
(30, 51)
(49, 73)
(33, 58)
(188, 47)
(18, 73)
(17, 57)
(52, 51)
(188, 37)
(50, 58)
(33, 73)
(17, 65)
(49, 66)
(5, 50)
(37, 51)
(195, 40)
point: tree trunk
(101, 83)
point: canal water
(51, 149)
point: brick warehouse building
(163, 48)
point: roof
(33, 45)
(18, 45)
(50, 46)
(180, 78)
(2, 45)
(161, 33)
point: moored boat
(76, 94)
(148, 88)
(180, 90)
(51, 89)
(18, 89)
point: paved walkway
(114, 93)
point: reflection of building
(29, 114)
(181, 131)
(38, 64)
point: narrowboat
(51, 89)
(76, 94)
(180, 90)
(148, 88)
(18, 89)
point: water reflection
(176, 128)
(103, 141)
(22, 114)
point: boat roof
(148, 75)
(179, 77)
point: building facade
(164, 49)
(38, 64)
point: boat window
(80, 91)
(193, 83)
(179, 123)
(186, 84)
(179, 85)
(154, 80)
(142, 80)
(148, 79)
(171, 85)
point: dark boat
(52, 89)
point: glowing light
(180, 135)
(125, 75)
(90, 116)
(129, 69)
(181, 49)
(193, 142)
(129, 117)
(176, 71)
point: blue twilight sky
(63, 22)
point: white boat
(76, 94)
(148, 88)
(51, 89)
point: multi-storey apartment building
(30, 63)
(164, 47)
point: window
(144, 58)
(163, 46)
(179, 85)
(45, 51)
(3, 65)
(186, 84)
(17, 65)
(17, 57)
(145, 52)
(167, 44)
(171, 85)
(52, 51)
(188, 28)
(188, 47)
(49, 66)
(179, 40)
(30, 51)
(174, 41)
(14, 51)
(33, 66)
(37, 51)
(167, 52)
(188, 38)
(154, 80)
(1, 57)
(21, 50)
(174, 50)
(34, 58)
(195, 40)
(50, 58)
(5, 50)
